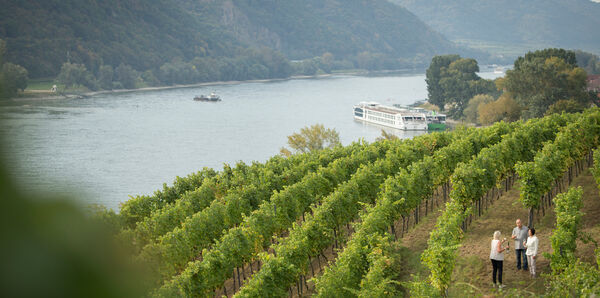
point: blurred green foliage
(52, 248)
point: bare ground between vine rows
(473, 273)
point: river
(104, 148)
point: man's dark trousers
(519, 253)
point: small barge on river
(212, 97)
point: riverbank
(30, 95)
(47, 95)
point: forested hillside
(559, 23)
(344, 28)
(42, 35)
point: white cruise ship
(435, 120)
(373, 112)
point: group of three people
(526, 246)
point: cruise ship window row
(413, 118)
(380, 114)
(380, 119)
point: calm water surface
(104, 148)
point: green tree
(567, 106)
(434, 74)
(306, 67)
(150, 79)
(312, 138)
(505, 108)
(588, 61)
(126, 76)
(105, 77)
(326, 62)
(72, 75)
(568, 56)
(455, 83)
(259, 71)
(2, 51)
(207, 69)
(544, 77)
(12, 77)
(15, 76)
(471, 112)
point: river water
(104, 148)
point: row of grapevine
(471, 181)
(570, 276)
(293, 255)
(240, 185)
(572, 143)
(567, 208)
(137, 208)
(257, 228)
(201, 192)
(242, 244)
(401, 194)
(596, 168)
(386, 262)
(175, 249)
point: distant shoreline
(51, 96)
(117, 91)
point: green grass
(40, 84)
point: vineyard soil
(412, 245)
(473, 271)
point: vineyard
(332, 223)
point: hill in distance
(43, 34)
(524, 25)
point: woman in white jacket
(532, 250)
